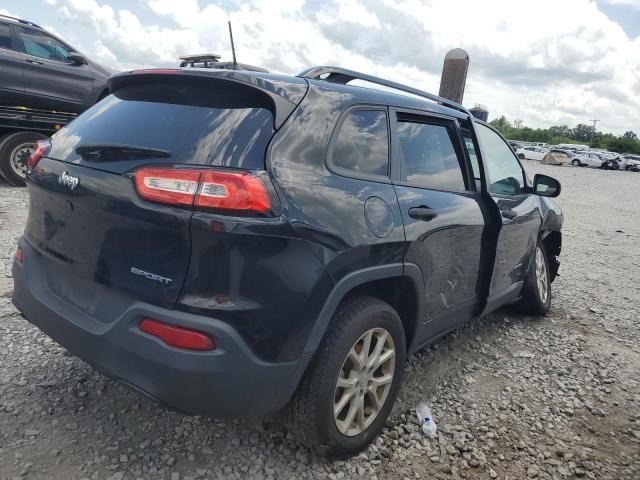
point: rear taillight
(235, 191)
(178, 337)
(38, 151)
(171, 186)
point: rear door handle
(508, 213)
(35, 62)
(422, 213)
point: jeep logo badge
(68, 180)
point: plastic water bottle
(427, 423)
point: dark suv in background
(38, 70)
(236, 243)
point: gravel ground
(514, 397)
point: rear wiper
(117, 151)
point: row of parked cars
(580, 157)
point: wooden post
(454, 74)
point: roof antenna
(233, 48)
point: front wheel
(536, 293)
(348, 391)
(575, 163)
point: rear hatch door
(85, 214)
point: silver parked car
(587, 159)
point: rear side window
(362, 144)
(39, 44)
(430, 160)
(197, 124)
(5, 36)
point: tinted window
(39, 44)
(362, 145)
(5, 36)
(429, 157)
(187, 123)
(505, 172)
(473, 157)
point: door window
(5, 36)
(362, 145)
(39, 44)
(429, 157)
(473, 157)
(505, 172)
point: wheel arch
(402, 286)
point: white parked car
(532, 153)
(631, 163)
(587, 159)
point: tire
(310, 413)
(521, 156)
(628, 168)
(14, 152)
(535, 299)
(575, 163)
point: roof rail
(344, 76)
(24, 22)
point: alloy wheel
(364, 381)
(541, 275)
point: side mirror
(546, 186)
(76, 58)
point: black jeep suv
(238, 243)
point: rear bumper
(227, 382)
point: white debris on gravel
(515, 397)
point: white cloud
(625, 3)
(120, 35)
(545, 62)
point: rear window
(5, 36)
(197, 124)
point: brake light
(38, 151)
(159, 71)
(19, 255)
(236, 191)
(178, 337)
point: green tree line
(581, 133)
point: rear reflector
(237, 191)
(178, 337)
(19, 255)
(38, 151)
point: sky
(545, 62)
